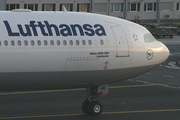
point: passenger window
(12, 43)
(32, 42)
(58, 42)
(25, 42)
(64, 42)
(52, 42)
(71, 42)
(6, 43)
(39, 42)
(19, 42)
(89, 42)
(77, 42)
(83, 42)
(101, 42)
(45, 42)
(146, 38)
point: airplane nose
(162, 52)
(166, 52)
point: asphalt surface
(154, 95)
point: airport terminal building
(141, 11)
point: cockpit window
(151, 38)
(148, 38)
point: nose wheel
(85, 106)
(95, 108)
(91, 105)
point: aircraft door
(121, 42)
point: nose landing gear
(91, 105)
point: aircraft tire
(85, 106)
(95, 108)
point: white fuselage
(73, 49)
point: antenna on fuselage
(64, 9)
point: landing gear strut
(91, 105)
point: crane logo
(149, 54)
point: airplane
(74, 49)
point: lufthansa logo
(35, 28)
(149, 54)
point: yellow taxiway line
(42, 91)
(104, 113)
(77, 89)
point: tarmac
(153, 95)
